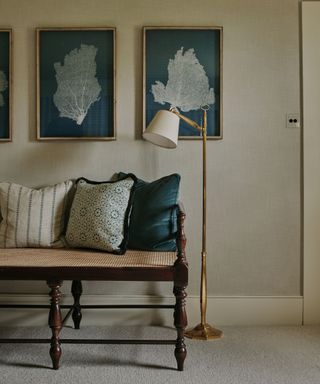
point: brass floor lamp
(163, 131)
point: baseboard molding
(238, 310)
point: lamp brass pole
(202, 331)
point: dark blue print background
(54, 46)
(5, 67)
(160, 46)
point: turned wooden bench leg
(55, 321)
(180, 322)
(76, 290)
(179, 290)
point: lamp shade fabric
(163, 129)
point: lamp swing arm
(187, 120)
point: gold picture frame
(76, 83)
(163, 45)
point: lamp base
(203, 332)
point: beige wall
(311, 144)
(253, 174)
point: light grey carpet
(245, 355)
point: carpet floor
(245, 355)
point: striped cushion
(32, 217)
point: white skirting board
(238, 310)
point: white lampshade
(163, 129)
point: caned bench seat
(71, 264)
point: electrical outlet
(293, 120)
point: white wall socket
(293, 120)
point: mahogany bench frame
(54, 276)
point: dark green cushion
(153, 220)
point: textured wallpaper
(253, 173)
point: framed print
(182, 69)
(5, 84)
(76, 83)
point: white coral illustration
(3, 86)
(78, 87)
(188, 85)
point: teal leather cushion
(153, 220)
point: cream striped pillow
(32, 217)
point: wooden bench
(56, 265)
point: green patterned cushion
(33, 217)
(99, 215)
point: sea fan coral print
(188, 85)
(78, 87)
(3, 86)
